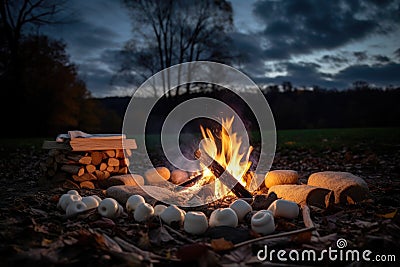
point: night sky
(308, 42)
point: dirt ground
(34, 232)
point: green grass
(379, 138)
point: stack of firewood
(87, 169)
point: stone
(179, 176)
(126, 179)
(280, 177)
(157, 175)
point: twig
(149, 256)
(308, 229)
(179, 234)
(308, 222)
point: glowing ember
(227, 155)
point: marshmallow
(91, 202)
(158, 209)
(133, 201)
(195, 222)
(108, 207)
(263, 222)
(223, 217)
(73, 192)
(66, 199)
(284, 208)
(143, 212)
(241, 208)
(75, 207)
(172, 214)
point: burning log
(223, 175)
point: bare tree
(167, 32)
(18, 15)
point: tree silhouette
(169, 32)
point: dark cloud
(302, 74)
(300, 27)
(360, 55)
(334, 60)
(375, 74)
(247, 47)
(397, 53)
(381, 58)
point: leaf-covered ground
(34, 232)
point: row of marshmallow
(194, 222)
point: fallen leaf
(221, 244)
(160, 235)
(389, 215)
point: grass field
(381, 139)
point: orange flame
(228, 156)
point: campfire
(225, 175)
(226, 166)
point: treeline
(294, 108)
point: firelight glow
(228, 156)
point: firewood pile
(88, 165)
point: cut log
(97, 157)
(347, 187)
(106, 174)
(103, 166)
(119, 154)
(73, 169)
(128, 152)
(85, 160)
(123, 170)
(99, 174)
(110, 153)
(304, 194)
(85, 177)
(90, 168)
(110, 169)
(87, 185)
(113, 162)
(124, 162)
(223, 175)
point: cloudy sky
(308, 42)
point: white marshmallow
(91, 202)
(75, 207)
(284, 208)
(97, 198)
(66, 199)
(263, 222)
(108, 207)
(241, 208)
(73, 192)
(172, 214)
(133, 201)
(223, 217)
(158, 209)
(143, 212)
(195, 222)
